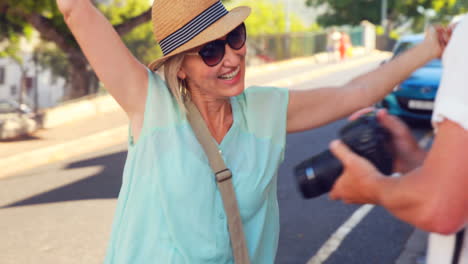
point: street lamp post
(36, 84)
(428, 14)
(287, 16)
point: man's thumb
(340, 150)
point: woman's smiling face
(226, 79)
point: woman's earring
(183, 88)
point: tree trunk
(22, 88)
(79, 82)
(22, 84)
(80, 78)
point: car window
(403, 46)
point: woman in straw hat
(170, 209)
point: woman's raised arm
(121, 73)
(312, 108)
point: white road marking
(335, 240)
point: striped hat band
(193, 28)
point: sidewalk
(107, 128)
(62, 142)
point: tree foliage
(269, 18)
(19, 17)
(140, 40)
(60, 52)
(340, 12)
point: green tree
(446, 12)
(269, 18)
(140, 40)
(18, 17)
(340, 12)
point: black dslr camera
(365, 136)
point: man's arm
(433, 197)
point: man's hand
(358, 182)
(408, 154)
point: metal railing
(292, 45)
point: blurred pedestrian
(344, 45)
(432, 194)
(333, 42)
(169, 207)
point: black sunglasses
(212, 53)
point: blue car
(413, 99)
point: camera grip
(364, 136)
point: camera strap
(224, 181)
(458, 246)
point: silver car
(16, 120)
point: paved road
(307, 224)
(61, 212)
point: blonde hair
(176, 85)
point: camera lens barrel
(317, 175)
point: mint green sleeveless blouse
(169, 208)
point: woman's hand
(437, 38)
(408, 154)
(65, 6)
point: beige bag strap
(224, 180)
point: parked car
(413, 99)
(16, 120)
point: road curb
(415, 249)
(79, 109)
(28, 160)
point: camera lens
(316, 175)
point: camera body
(365, 136)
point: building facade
(41, 87)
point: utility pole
(383, 16)
(287, 36)
(36, 84)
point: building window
(13, 90)
(2, 75)
(29, 84)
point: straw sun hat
(180, 25)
